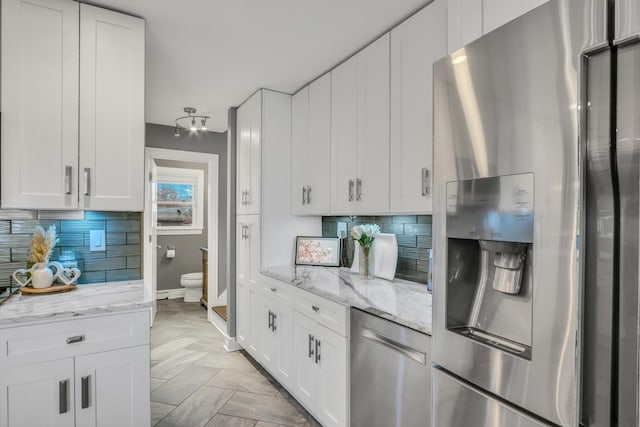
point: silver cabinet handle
(75, 339)
(242, 198)
(68, 180)
(246, 228)
(426, 184)
(409, 352)
(317, 351)
(87, 181)
(85, 391)
(351, 190)
(358, 190)
(315, 308)
(248, 198)
(63, 393)
(275, 317)
(304, 195)
(308, 194)
(311, 340)
(274, 289)
(270, 320)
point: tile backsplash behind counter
(414, 239)
(120, 260)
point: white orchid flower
(356, 232)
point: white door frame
(212, 161)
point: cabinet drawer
(275, 289)
(327, 313)
(68, 338)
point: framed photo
(323, 251)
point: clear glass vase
(365, 262)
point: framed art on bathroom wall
(320, 251)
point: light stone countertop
(401, 301)
(85, 300)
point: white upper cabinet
(112, 128)
(72, 107)
(39, 104)
(249, 153)
(464, 22)
(496, 13)
(415, 45)
(311, 148)
(360, 132)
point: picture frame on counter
(318, 251)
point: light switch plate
(97, 240)
(342, 230)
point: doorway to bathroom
(181, 230)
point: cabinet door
(255, 175)
(39, 150)
(284, 343)
(496, 13)
(372, 184)
(305, 373)
(243, 157)
(243, 250)
(300, 155)
(332, 378)
(267, 336)
(112, 127)
(112, 388)
(243, 314)
(319, 153)
(415, 45)
(34, 395)
(255, 248)
(343, 137)
(464, 22)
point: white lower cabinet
(294, 345)
(320, 370)
(94, 373)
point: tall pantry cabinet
(72, 103)
(266, 230)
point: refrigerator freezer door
(628, 157)
(509, 103)
(458, 404)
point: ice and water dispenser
(490, 257)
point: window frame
(195, 177)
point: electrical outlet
(342, 230)
(97, 240)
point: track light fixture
(191, 114)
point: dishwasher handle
(409, 352)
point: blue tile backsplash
(120, 261)
(413, 233)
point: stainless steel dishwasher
(390, 374)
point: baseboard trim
(230, 344)
(170, 293)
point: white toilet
(192, 283)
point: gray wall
(188, 256)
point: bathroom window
(180, 201)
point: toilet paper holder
(171, 251)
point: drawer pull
(77, 338)
(274, 289)
(317, 351)
(63, 392)
(315, 308)
(311, 340)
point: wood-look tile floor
(196, 383)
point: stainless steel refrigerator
(537, 170)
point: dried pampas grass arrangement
(42, 244)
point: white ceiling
(213, 54)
